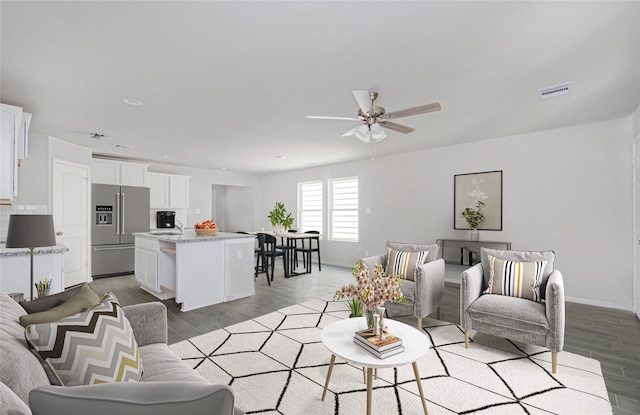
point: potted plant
(475, 218)
(280, 218)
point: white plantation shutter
(310, 206)
(343, 209)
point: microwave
(165, 219)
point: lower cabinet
(146, 263)
(16, 273)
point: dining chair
(308, 250)
(259, 253)
(271, 251)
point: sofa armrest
(429, 279)
(371, 261)
(554, 296)
(149, 322)
(470, 290)
(134, 398)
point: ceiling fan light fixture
(377, 132)
(363, 133)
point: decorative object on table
(372, 290)
(30, 231)
(206, 228)
(469, 190)
(43, 287)
(280, 218)
(475, 218)
(381, 348)
(376, 327)
(381, 324)
(355, 307)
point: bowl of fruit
(206, 228)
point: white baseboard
(596, 303)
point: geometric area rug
(276, 364)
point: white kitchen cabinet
(168, 191)
(178, 191)
(158, 190)
(146, 262)
(14, 134)
(16, 271)
(119, 172)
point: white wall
(567, 189)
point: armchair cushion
(433, 249)
(510, 313)
(515, 279)
(518, 256)
(405, 263)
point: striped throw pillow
(95, 346)
(405, 263)
(515, 279)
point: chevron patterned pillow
(95, 346)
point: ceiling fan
(373, 118)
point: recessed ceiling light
(281, 157)
(167, 157)
(223, 168)
(123, 146)
(132, 101)
(97, 136)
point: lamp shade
(30, 231)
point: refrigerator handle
(123, 215)
(118, 213)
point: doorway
(70, 209)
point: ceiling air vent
(123, 146)
(554, 91)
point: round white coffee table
(338, 338)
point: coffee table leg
(326, 383)
(369, 389)
(364, 376)
(419, 382)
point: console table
(465, 252)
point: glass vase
(368, 313)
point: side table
(338, 339)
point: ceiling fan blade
(322, 117)
(364, 101)
(423, 109)
(351, 131)
(396, 127)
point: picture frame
(469, 188)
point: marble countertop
(7, 252)
(190, 236)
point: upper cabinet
(168, 191)
(14, 139)
(119, 172)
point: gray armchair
(539, 323)
(424, 294)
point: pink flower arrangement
(371, 291)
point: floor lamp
(30, 231)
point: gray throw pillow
(48, 302)
(83, 300)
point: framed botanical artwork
(478, 190)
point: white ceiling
(228, 84)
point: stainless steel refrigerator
(118, 212)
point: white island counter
(195, 270)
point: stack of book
(380, 348)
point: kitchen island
(195, 270)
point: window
(310, 206)
(343, 209)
